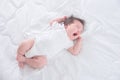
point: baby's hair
(70, 20)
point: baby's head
(74, 27)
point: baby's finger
(51, 22)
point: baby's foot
(21, 64)
(20, 58)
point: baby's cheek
(73, 36)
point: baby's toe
(21, 65)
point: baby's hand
(79, 38)
(51, 22)
(58, 19)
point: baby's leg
(22, 49)
(37, 61)
(25, 46)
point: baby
(36, 51)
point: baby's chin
(73, 38)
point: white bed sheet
(99, 58)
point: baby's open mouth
(74, 34)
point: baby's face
(74, 30)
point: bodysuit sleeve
(62, 36)
(62, 39)
(67, 42)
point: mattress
(99, 58)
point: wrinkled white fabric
(99, 58)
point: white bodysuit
(50, 42)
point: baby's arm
(61, 19)
(76, 48)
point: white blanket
(99, 58)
